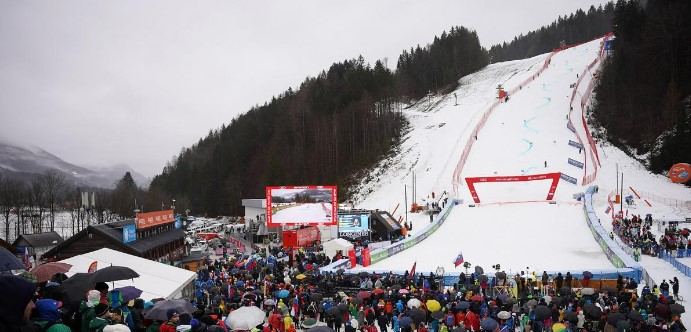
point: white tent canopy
(156, 280)
(335, 245)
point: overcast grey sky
(100, 83)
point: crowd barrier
(615, 254)
(683, 268)
(665, 200)
(576, 163)
(567, 178)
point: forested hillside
(574, 28)
(334, 125)
(643, 99)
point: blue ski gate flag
(459, 259)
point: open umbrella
(396, 287)
(437, 315)
(356, 301)
(378, 291)
(541, 312)
(558, 327)
(503, 315)
(615, 317)
(587, 291)
(677, 308)
(77, 285)
(476, 298)
(364, 294)
(557, 300)
(479, 270)
(128, 293)
(571, 317)
(417, 315)
(488, 324)
(433, 305)
(283, 293)
(333, 311)
(413, 303)
(45, 271)
(663, 311)
(501, 275)
(463, 305)
(405, 321)
(587, 274)
(269, 302)
(309, 323)
(510, 301)
(300, 276)
(342, 307)
(531, 303)
(9, 261)
(635, 316)
(403, 291)
(245, 318)
(548, 299)
(592, 311)
(623, 325)
(316, 297)
(160, 309)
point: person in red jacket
(172, 323)
(473, 319)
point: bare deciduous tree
(54, 184)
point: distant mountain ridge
(24, 164)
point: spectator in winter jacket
(567, 280)
(172, 323)
(383, 322)
(49, 318)
(558, 281)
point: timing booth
(385, 226)
(369, 225)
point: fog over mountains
(25, 163)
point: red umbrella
(378, 291)
(364, 295)
(45, 271)
(403, 291)
(476, 298)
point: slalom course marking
(525, 125)
(527, 170)
(547, 101)
(530, 147)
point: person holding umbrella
(86, 309)
(102, 313)
(172, 323)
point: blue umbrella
(463, 305)
(9, 262)
(488, 324)
(588, 274)
(283, 293)
(128, 293)
(405, 321)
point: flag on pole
(27, 260)
(459, 259)
(93, 267)
(412, 270)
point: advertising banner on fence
(352, 258)
(149, 219)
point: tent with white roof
(156, 280)
(335, 245)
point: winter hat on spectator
(171, 313)
(116, 328)
(48, 310)
(185, 319)
(101, 309)
(93, 296)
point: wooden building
(158, 241)
(38, 244)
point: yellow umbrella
(300, 276)
(558, 327)
(433, 305)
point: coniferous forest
(643, 100)
(347, 118)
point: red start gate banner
(471, 181)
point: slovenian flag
(459, 259)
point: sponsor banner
(680, 173)
(378, 256)
(129, 233)
(395, 249)
(301, 205)
(576, 163)
(575, 144)
(353, 226)
(149, 219)
(366, 261)
(546, 176)
(352, 258)
(568, 178)
(570, 126)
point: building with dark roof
(38, 243)
(158, 241)
(8, 246)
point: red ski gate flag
(412, 271)
(459, 259)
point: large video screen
(353, 226)
(301, 205)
